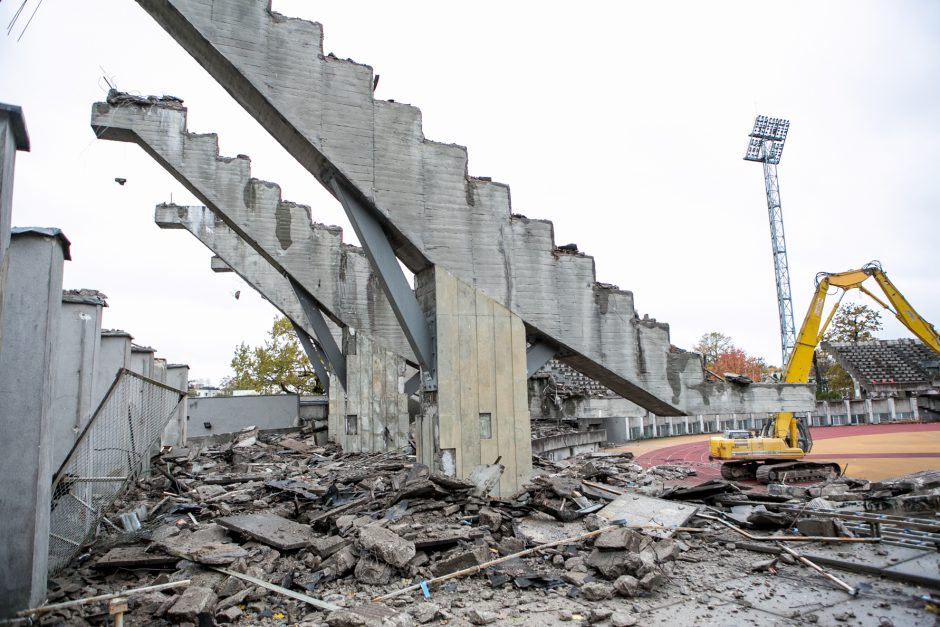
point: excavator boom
(785, 439)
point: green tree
(280, 365)
(854, 323)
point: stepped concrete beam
(280, 232)
(321, 109)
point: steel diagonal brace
(332, 353)
(537, 355)
(315, 356)
(402, 298)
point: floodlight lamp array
(774, 129)
(767, 139)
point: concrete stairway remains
(321, 109)
(336, 275)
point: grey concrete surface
(30, 320)
(76, 362)
(321, 109)
(230, 414)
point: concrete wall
(479, 411)
(114, 353)
(76, 362)
(32, 304)
(372, 413)
(230, 414)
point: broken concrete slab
(270, 529)
(638, 509)
(134, 557)
(209, 545)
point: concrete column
(701, 423)
(891, 409)
(914, 409)
(687, 425)
(479, 411)
(76, 362)
(848, 411)
(32, 304)
(175, 433)
(114, 353)
(828, 413)
(13, 137)
(870, 412)
(142, 360)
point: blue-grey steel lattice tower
(766, 146)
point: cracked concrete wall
(321, 110)
(479, 411)
(375, 375)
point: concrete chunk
(386, 545)
(461, 561)
(195, 600)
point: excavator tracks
(797, 472)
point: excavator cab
(804, 439)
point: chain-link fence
(109, 454)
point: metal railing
(107, 457)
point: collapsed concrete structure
(408, 199)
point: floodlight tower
(766, 146)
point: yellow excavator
(785, 440)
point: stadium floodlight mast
(766, 146)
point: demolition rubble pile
(273, 530)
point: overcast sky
(624, 123)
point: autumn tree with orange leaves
(722, 356)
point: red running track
(695, 454)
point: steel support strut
(334, 356)
(315, 356)
(537, 355)
(402, 298)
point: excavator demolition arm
(785, 440)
